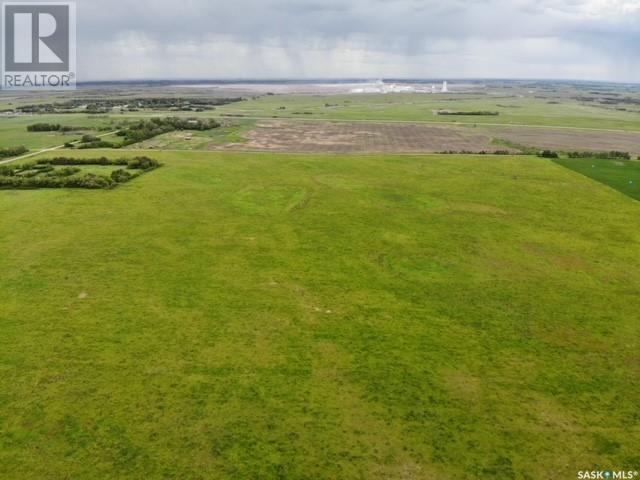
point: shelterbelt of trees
(64, 172)
(51, 127)
(107, 105)
(142, 130)
(12, 151)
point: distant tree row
(472, 113)
(43, 174)
(97, 144)
(614, 154)
(135, 163)
(101, 161)
(50, 127)
(12, 151)
(89, 180)
(107, 105)
(472, 152)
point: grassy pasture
(288, 316)
(620, 175)
(513, 109)
(13, 130)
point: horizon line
(257, 80)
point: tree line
(50, 127)
(43, 174)
(13, 151)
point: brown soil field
(567, 139)
(352, 137)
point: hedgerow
(12, 151)
(614, 154)
(43, 174)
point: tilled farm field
(353, 137)
(568, 139)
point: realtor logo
(39, 46)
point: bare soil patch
(352, 137)
(569, 140)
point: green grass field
(13, 130)
(513, 110)
(286, 316)
(518, 107)
(623, 176)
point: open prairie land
(13, 129)
(270, 315)
(484, 119)
(513, 108)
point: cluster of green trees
(472, 152)
(28, 170)
(101, 161)
(107, 105)
(43, 174)
(473, 113)
(88, 180)
(200, 124)
(136, 163)
(89, 139)
(12, 151)
(142, 130)
(122, 176)
(98, 144)
(49, 127)
(142, 163)
(612, 155)
(92, 141)
(146, 129)
(34, 170)
(601, 155)
(180, 104)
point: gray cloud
(591, 39)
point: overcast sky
(160, 39)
